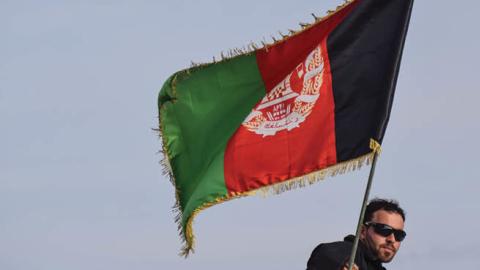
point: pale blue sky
(80, 183)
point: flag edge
(279, 188)
(253, 48)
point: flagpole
(362, 212)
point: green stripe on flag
(200, 109)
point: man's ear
(363, 232)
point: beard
(382, 252)
(385, 253)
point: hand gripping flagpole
(375, 146)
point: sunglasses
(385, 230)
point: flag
(284, 114)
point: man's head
(382, 231)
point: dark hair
(382, 204)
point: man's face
(383, 248)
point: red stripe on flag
(288, 134)
(291, 132)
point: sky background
(81, 186)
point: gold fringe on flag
(253, 47)
(275, 189)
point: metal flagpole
(362, 212)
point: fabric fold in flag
(284, 115)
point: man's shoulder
(337, 247)
(330, 255)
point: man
(380, 238)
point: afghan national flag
(286, 114)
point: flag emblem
(290, 102)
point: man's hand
(355, 267)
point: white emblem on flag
(289, 103)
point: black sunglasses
(385, 230)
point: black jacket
(333, 256)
